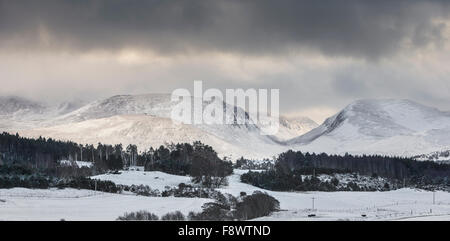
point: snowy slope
(150, 131)
(154, 179)
(291, 127)
(144, 120)
(389, 126)
(17, 106)
(18, 113)
(149, 104)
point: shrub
(174, 216)
(212, 212)
(258, 204)
(138, 216)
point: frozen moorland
(72, 204)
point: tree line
(384, 166)
(197, 160)
(290, 167)
(44, 153)
(44, 156)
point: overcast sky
(320, 54)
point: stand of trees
(43, 156)
(42, 153)
(245, 207)
(243, 163)
(383, 166)
(291, 165)
(21, 176)
(276, 181)
(148, 216)
(197, 160)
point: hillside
(389, 126)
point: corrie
(212, 113)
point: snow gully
(212, 114)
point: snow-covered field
(71, 204)
(155, 180)
(390, 205)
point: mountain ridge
(371, 126)
(368, 126)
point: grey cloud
(349, 83)
(365, 29)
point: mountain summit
(380, 126)
(371, 126)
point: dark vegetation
(184, 190)
(226, 207)
(389, 167)
(138, 216)
(35, 163)
(45, 153)
(243, 163)
(290, 166)
(245, 207)
(198, 160)
(20, 176)
(148, 216)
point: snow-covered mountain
(291, 127)
(150, 131)
(388, 126)
(149, 104)
(145, 120)
(17, 106)
(19, 113)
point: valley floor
(392, 205)
(72, 204)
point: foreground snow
(390, 205)
(72, 204)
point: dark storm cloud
(367, 29)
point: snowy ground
(350, 205)
(155, 180)
(71, 204)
